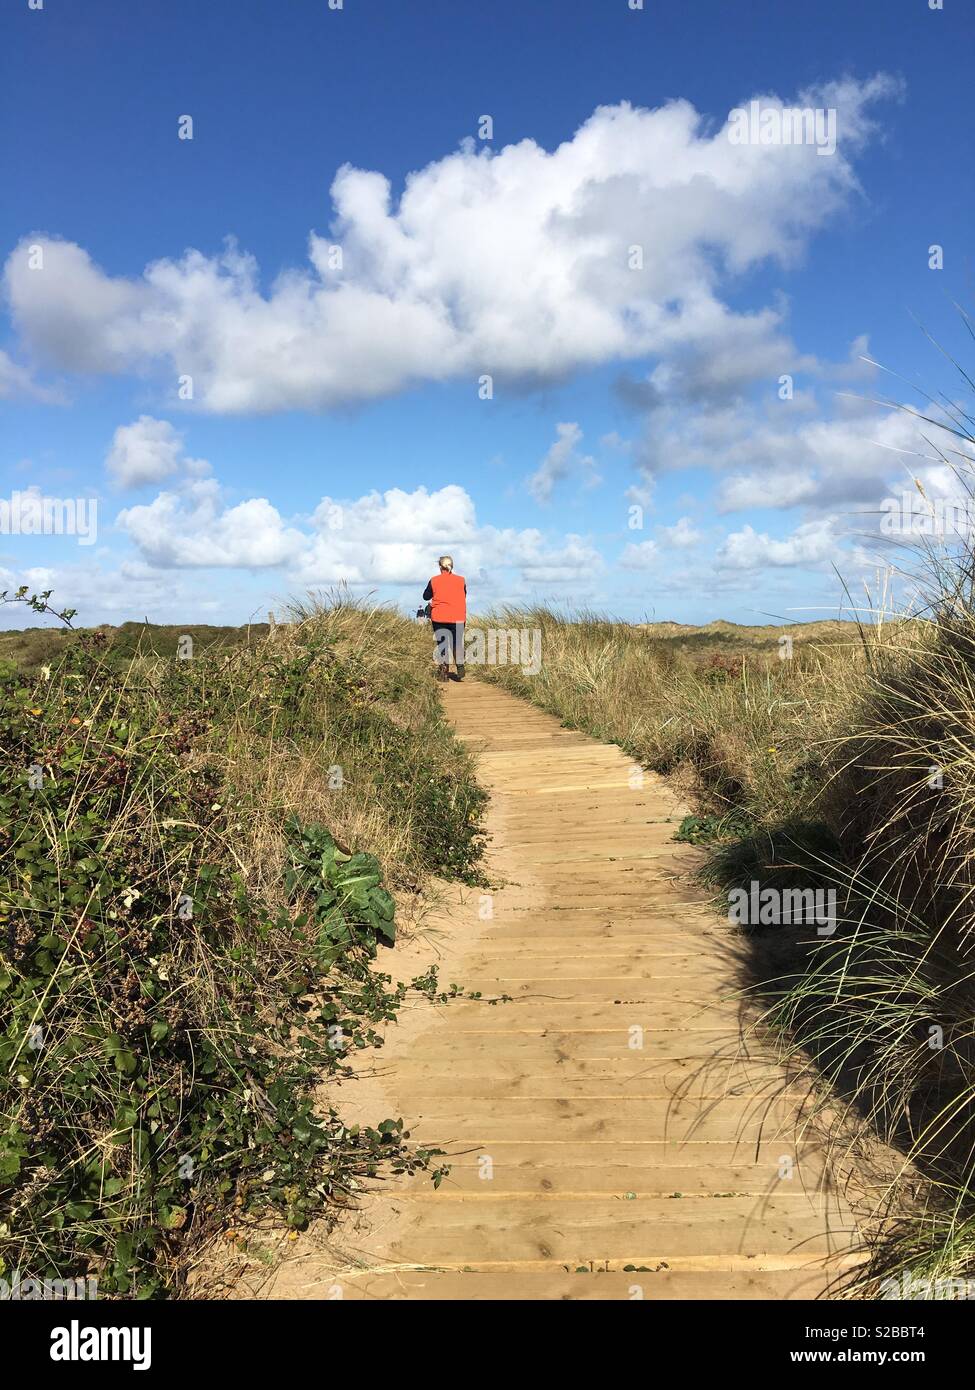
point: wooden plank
(624, 1108)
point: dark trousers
(448, 644)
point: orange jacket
(448, 598)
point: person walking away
(446, 594)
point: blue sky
(337, 430)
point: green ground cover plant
(187, 947)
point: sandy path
(612, 1116)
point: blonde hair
(446, 562)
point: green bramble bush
(171, 993)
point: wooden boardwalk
(614, 1132)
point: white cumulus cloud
(148, 451)
(515, 262)
(641, 556)
(380, 540)
(682, 534)
(809, 545)
(192, 528)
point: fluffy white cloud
(192, 528)
(726, 353)
(852, 460)
(642, 556)
(362, 542)
(571, 563)
(682, 534)
(773, 453)
(560, 461)
(784, 487)
(385, 539)
(810, 545)
(148, 451)
(515, 262)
